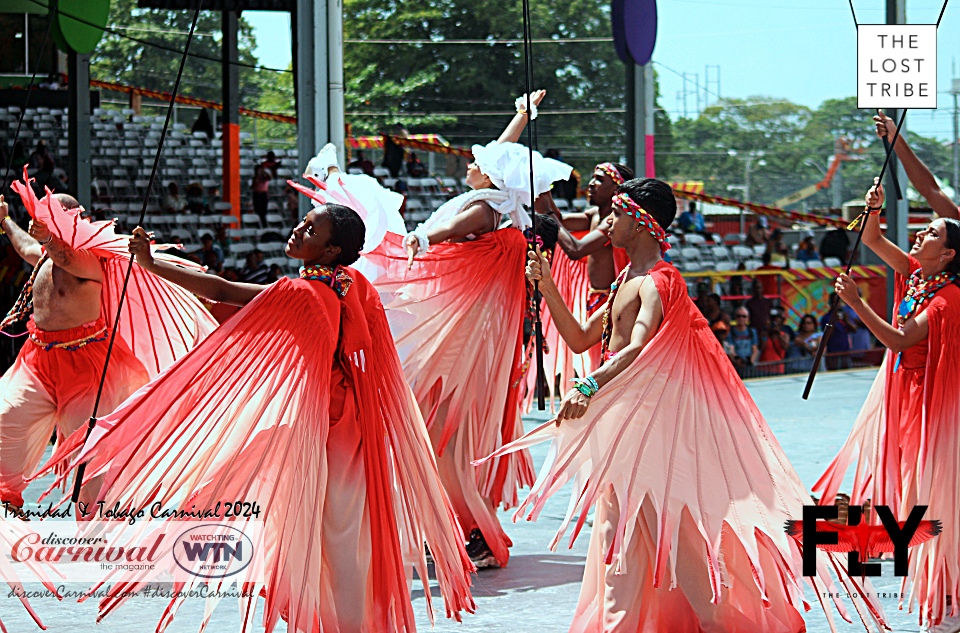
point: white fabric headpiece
(379, 208)
(507, 165)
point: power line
(489, 113)
(546, 40)
(118, 33)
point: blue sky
(804, 51)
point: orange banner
(762, 209)
(200, 103)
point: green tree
(466, 91)
(123, 60)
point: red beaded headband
(611, 170)
(631, 208)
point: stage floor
(538, 590)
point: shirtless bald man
(53, 383)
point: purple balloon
(619, 31)
(640, 27)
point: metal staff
(862, 218)
(531, 140)
(126, 280)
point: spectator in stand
(757, 234)
(196, 201)
(779, 253)
(735, 285)
(565, 189)
(804, 345)
(203, 124)
(807, 250)
(838, 345)
(271, 162)
(45, 178)
(363, 164)
(172, 202)
(774, 343)
(261, 189)
(221, 240)
(293, 205)
(745, 341)
(703, 293)
(212, 262)
(713, 313)
(393, 153)
(722, 331)
(835, 243)
(415, 169)
(691, 220)
(860, 338)
(275, 272)
(207, 245)
(19, 159)
(255, 271)
(758, 306)
(777, 320)
(41, 159)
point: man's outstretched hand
(886, 127)
(538, 268)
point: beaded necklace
(607, 313)
(337, 278)
(919, 291)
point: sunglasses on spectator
(742, 316)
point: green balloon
(70, 34)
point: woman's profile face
(476, 179)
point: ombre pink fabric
(906, 445)
(457, 321)
(321, 430)
(691, 492)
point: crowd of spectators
(759, 342)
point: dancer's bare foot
(17, 511)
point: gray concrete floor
(538, 590)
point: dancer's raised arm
(519, 121)
(208, 286)
(579, 336)
(919, 174)
(875, 240)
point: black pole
(126, 280)
(531, 140)
(864, 218)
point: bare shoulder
(479, 206)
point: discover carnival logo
(149, 551)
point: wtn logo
(221, 551)
(859, 539)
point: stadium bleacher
(123, 149)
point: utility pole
(896, 210)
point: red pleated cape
(678, 433)
(457, 320)
(910, 450)
(246, 414)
